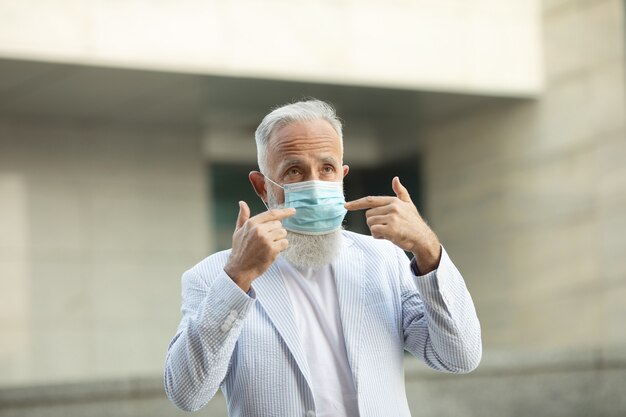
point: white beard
(312, 251)
(308, 251)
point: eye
(293, 172)
(329, 169)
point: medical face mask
(319, 206)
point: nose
(311, 174)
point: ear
(346, 168)
(258, 183)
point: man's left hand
(397, 220)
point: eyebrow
(291, 162)
(330, 159)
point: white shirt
(313, 295)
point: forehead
(304, 139)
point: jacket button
(225, 327)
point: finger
(272, 225)
(378, 231)
(277, 234)
(374, 220)
(281, 244)
(275, 214)
(401, 192)
(368, 202)
(379, 211)
(244, 214)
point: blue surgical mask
(319, 206)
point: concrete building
(126, 136)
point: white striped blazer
(248, 344)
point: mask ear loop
(278, 185)
(270, 180)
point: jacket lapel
(348, 270)
(272, 294)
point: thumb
(401, 192)
(244, 214)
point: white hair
(301, 111)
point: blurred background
(126, 136)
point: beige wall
(530, 197)
(484, 46)
(97, 224)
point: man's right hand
(257, 241)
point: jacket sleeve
(439, 319)
(199, 355)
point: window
(362, 182)
(229, 185)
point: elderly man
(302, 318)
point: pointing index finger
(276, 214)
(368, 202)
